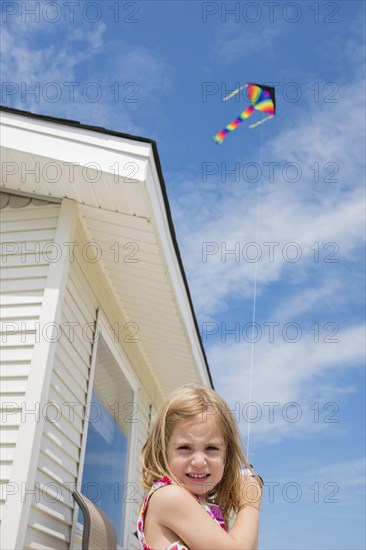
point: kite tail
(220, 136)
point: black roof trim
(102, 130)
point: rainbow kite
(262, 98)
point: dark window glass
(105, 463)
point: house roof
(139, 206)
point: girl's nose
(198, 459)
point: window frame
(124, 364)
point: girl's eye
(183, 448)
(211, 448)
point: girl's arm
(175, 508)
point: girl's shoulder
(162, 482)
(164, 496)
(162, 503)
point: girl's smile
(196, 454)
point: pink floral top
(212, 509)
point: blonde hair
(187, 403)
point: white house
(97, 323)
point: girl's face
(196, 454)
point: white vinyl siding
(23, 279)
(50, 519)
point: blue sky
(160, 70)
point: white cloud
(341, 483)
(24, 61)
(303, 372)
(285, 218)
(251, 33)
(70, 65)
(313, 300)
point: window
(110, 415)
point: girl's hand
(251, 492)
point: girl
(192, 464)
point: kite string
(259, 184)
